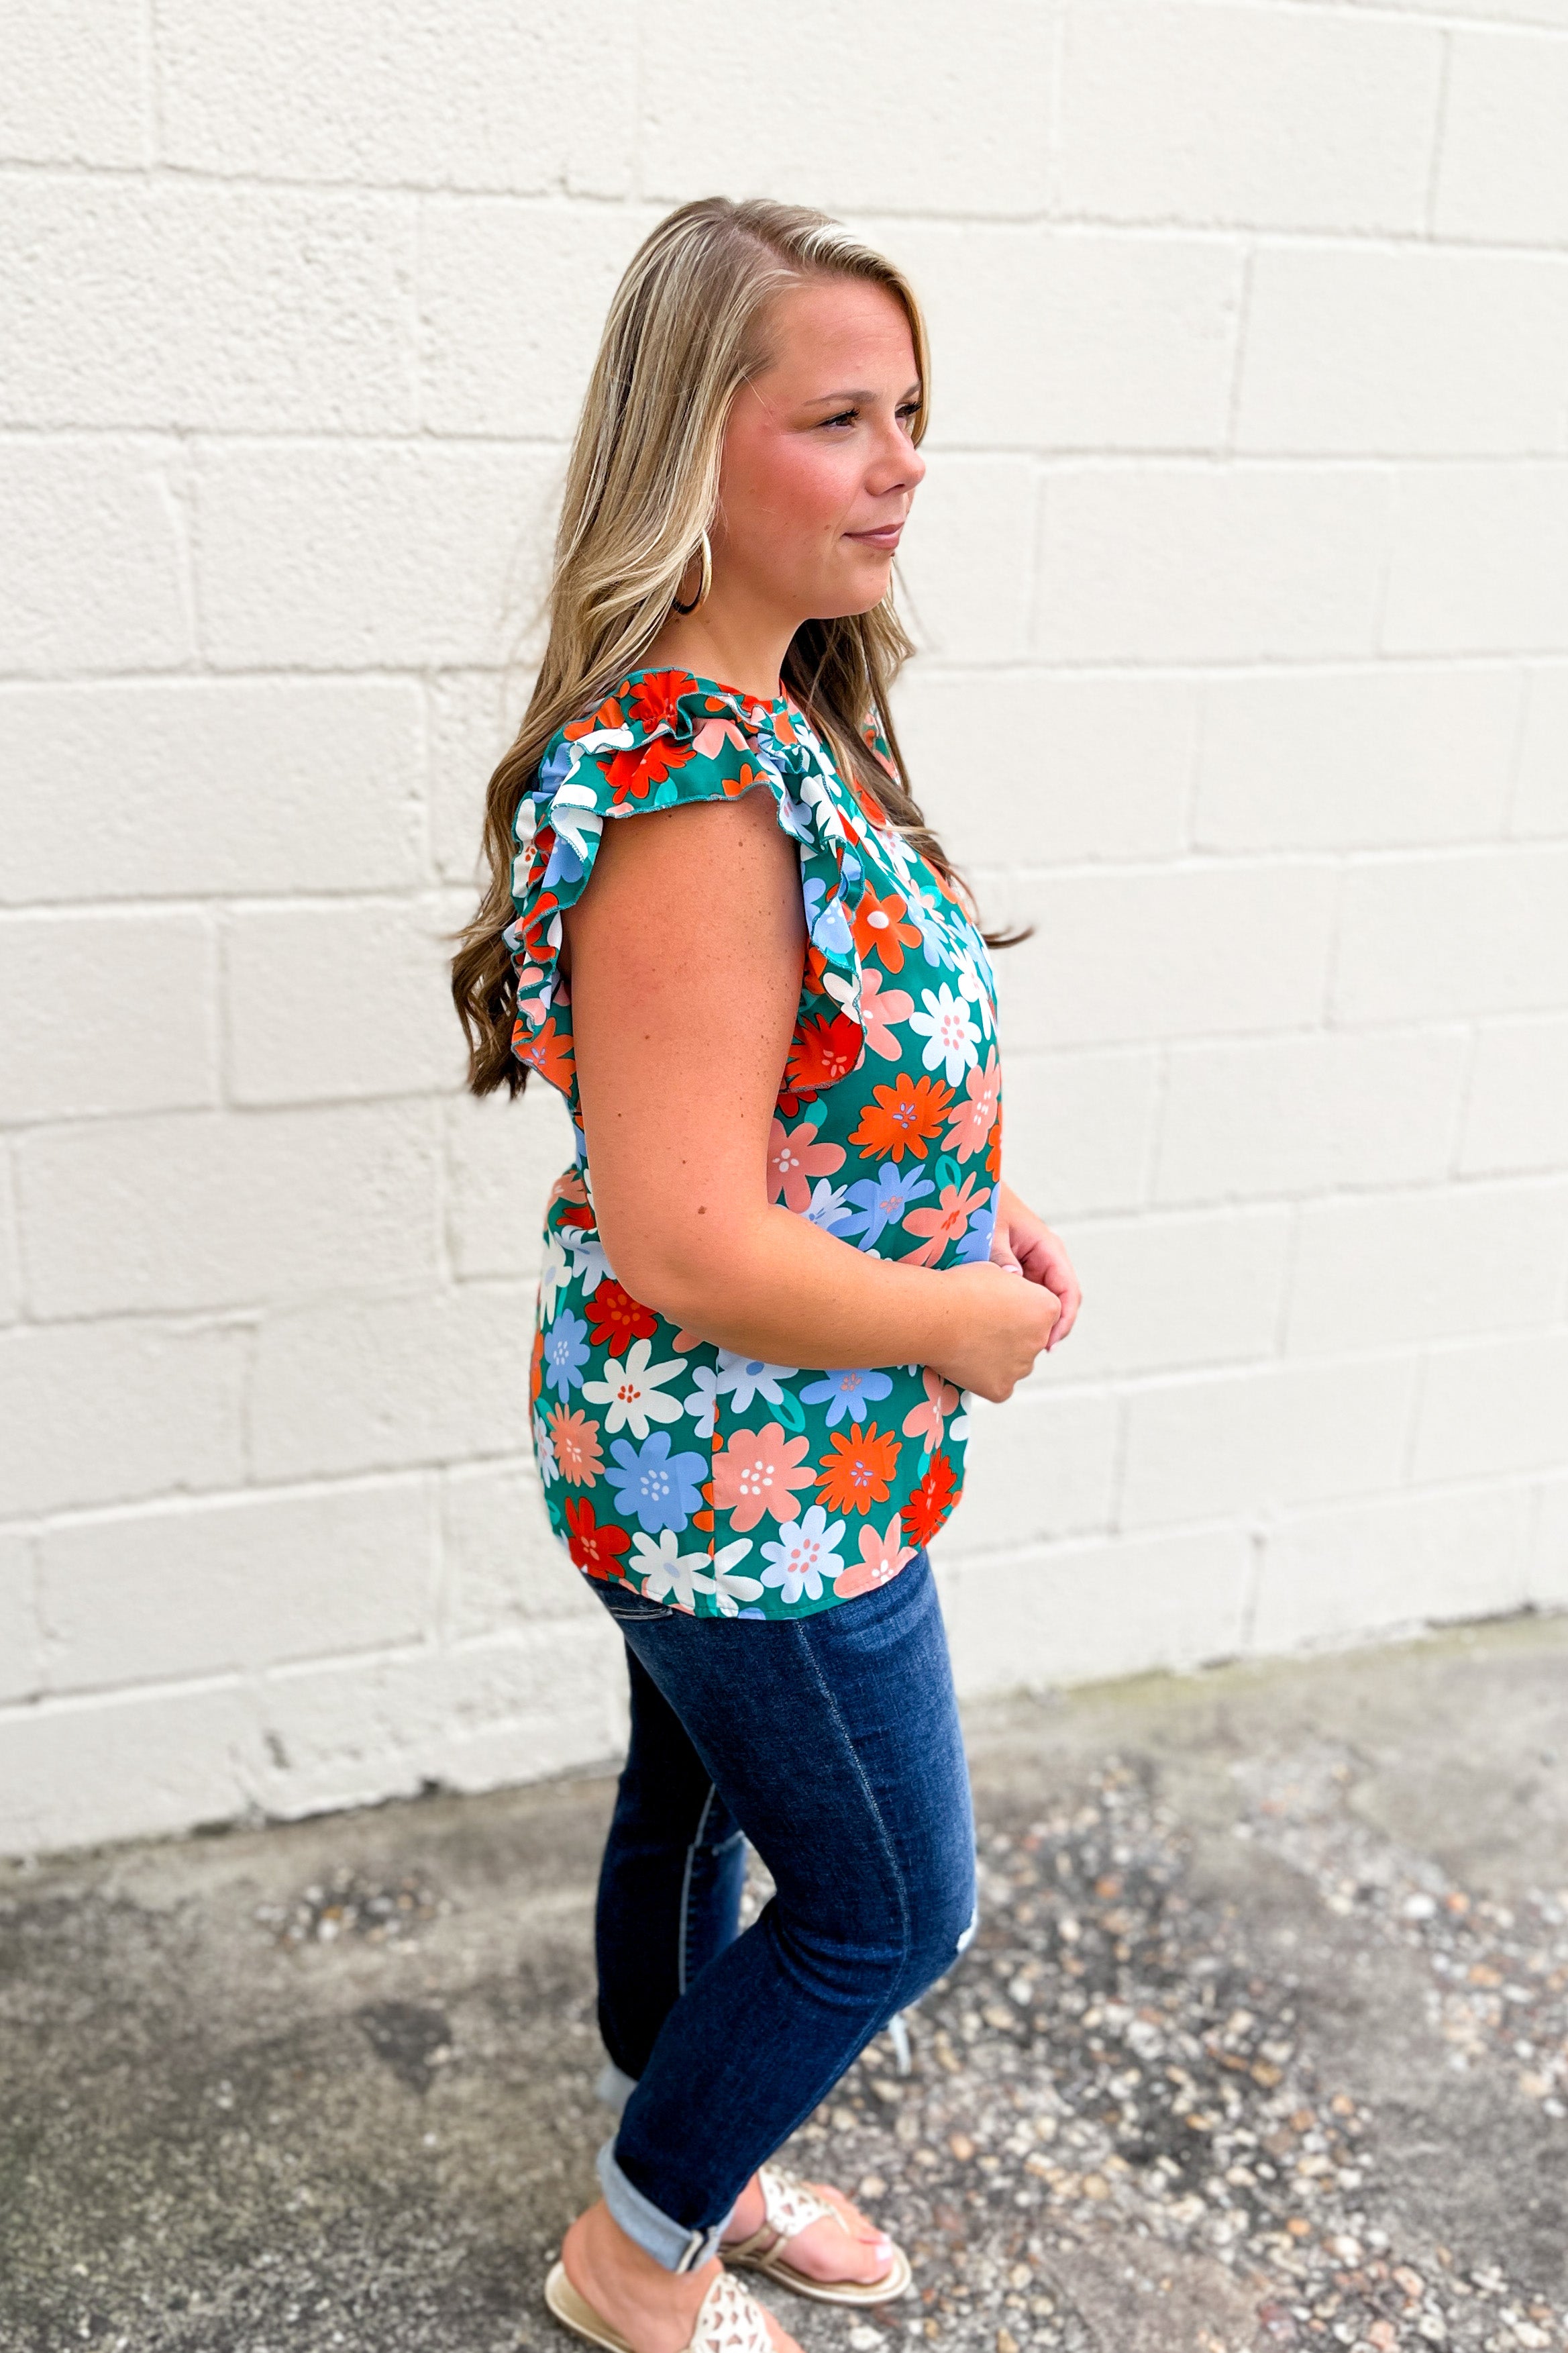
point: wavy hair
(687, 327)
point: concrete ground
(1263, 2042)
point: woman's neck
(733, 649)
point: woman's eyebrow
(814, 399)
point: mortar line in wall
(1439, 128)
(1498, 1485)
(1238, 356)
(151, 95)
(171, 171)
(1252, 1586)
(1350, 662)
(1527, 674)
(1136, 459)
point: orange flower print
(883, 1553)
(616, 1317)
(577, 1450)
(901, 1118)
(536, 1366)
(655, 695)
(593, 1545)
(878, 1007)
(955, 1207)
(758, 1471)
(609, 714)
(931, 1502)
(630, 773)
(857, 1469)
(881, 930)
(925, 1421)
(568, 1187)
(821, 1051)
(550, 1053)
(973, 1118)
(794, 1157)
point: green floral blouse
(725, 1486)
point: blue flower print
(565, 1352)
(848, 1390)
(741, 1378)
(702, 1399)
(974, 1244)
(826, 917)
(660, 1490)
(882, 1202)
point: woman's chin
(861, 595)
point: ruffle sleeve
(662, 740)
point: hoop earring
(702, 596)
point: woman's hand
(1023, 1244)
(996, 1328)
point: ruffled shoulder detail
(662, 739)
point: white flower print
(555, 1275)
(828, 1207)
(574, 817)
(632, 1390)
(544, 1450)
(953, 1040)
(728, 1589)
(741, 1378)
(972, 989)
(667, 1573)
(805, 1552)
(590, 1267)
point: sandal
(729, 2319)
(789, 2206)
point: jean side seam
(686, 1889)
(889, 1849)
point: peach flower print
(971, 1120)
(794, 1157)
(879, 1006)
(925, 1421)
(759, 1471)
(944, 1223)
(577, 1450)
(883, 1553)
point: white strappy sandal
(729, 2319)
(789, 2206)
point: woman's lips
(886, 537)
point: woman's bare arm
(686, 958)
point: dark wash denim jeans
(831, 1743)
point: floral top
(696, 1476)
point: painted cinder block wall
(1241, 576)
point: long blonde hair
(686, 328)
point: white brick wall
(1242, 575)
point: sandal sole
(892, 2285)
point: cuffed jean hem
(677, 2248)
(613, 2086)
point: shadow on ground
(1263, 2042)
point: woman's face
(818, 469)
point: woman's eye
(847, 418)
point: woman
(783, 1254)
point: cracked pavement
(1262, 2043)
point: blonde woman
(784, 1257)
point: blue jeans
(831, 1743)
